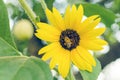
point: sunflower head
(71, 39)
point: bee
(68, 42)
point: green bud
(23, 30)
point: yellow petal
(67, 17)
(48, 55)
(64, 64)
(48, 47)
(95, 23)
(79, 14)
(90, 19)
(79, 62)
(77, 18)
(62, 59)
(86, 55)
(47, 35)
(91, 26)
(70, 20)
(56, 58)
(93, 33)
(73, 17)
(86, 23)
(48, 27)
(51, 18)
(53, 63)
(88, 44)
(59, 19)
(100, 41)
(97, 32)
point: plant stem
(44, 6)
(29, 12)
(20, 54)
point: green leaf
(7, 45)
(39, 10)
(116, 6)
(93, 75)
(49, 3)
(71, 2)
(4, 25)
(6, 49)
(24, 68)
(107, 16)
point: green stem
(44, 6)
(70, 76)
(20, 54)
(29, 12)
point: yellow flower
(70, 38)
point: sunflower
(70, 39)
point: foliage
(94, 75)
(15, 64)
(93, 9)
(11, 61)
(5, 33)
(23, 68)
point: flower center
(69, 39)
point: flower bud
(23, 30)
